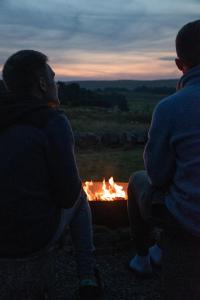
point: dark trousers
(181, 250)
(143, 214)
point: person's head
(188, 46)
(27, 72)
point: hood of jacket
(16, 109)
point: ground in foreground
(113, 251)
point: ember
(105, 191)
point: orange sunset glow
(115, 66)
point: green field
(97, 163)
(104, 163)
(104, 120)
(98, 119)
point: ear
(42, 84)
(181, 65)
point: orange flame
(109, 191)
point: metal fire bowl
(112, 214)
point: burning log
(108, 202)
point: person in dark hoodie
(40, 187)
(168, 192)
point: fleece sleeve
(159, 156)
(65, 182)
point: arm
(159, 156)
(65, 182)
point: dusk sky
(98, 39)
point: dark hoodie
(38, 174)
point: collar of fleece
(192, 77)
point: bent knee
(138, 178)
(138, 182)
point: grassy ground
(98, 163)
(96, 119)
(105, 162)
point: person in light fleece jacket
(167, 193)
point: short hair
(188, 43)
(22, 70)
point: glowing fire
(105, 191)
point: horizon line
(66, 79)
(159, 79)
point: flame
(109, 191)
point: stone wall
(110, 139)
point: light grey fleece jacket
(172, 153)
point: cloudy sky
(98, 39)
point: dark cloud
(167, 58)
(61, 26)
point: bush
(73, 95)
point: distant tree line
(162, 90)
(159, 90)
(72, 94)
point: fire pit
(108, 202)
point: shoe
(155, 253)
(91, 289)
(141, 265)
